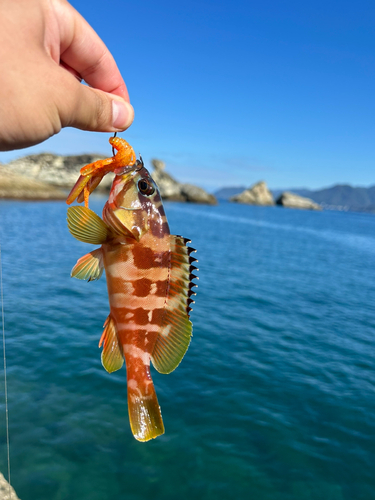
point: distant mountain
(300, 191)
(227, 192)
(341, 196)
(346, 195)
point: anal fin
(89, 267)
(112, 358)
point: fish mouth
(130, 208)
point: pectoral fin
(89, 267)
(86, 226)
(112, 358)
(176, 330)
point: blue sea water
(274, 400)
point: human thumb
(91, 109)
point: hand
(46, 48)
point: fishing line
(5, 372)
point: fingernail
(122, 114)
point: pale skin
(46, 48)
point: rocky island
(258, 194)
(55, 170)
(14, 186)
(48, 176)
(44, 176)
(291, 200)
(172, 190)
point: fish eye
(145, 187)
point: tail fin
(144, 411)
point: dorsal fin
(86, 226)
(89, 267)
(112, 358)
(176, 330)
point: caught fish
(149, 278)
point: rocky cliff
(258, 194)
(61, 171)
(172, 190)
(45, 175)
(291, 200)
(15, 186)
(341, 197)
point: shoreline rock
(291, 200)
(55, 170)
(172, 190)
(45, 176)
(257, 194)
(4, 490)
(18, 187)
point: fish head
(135, 207)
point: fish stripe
(142, 287)
(146, 257)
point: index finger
(84, 51)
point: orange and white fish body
(149, 280)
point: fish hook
(113, 149)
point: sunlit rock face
(291, 200)
(56, 170)
(172, 190)
(19, 187)
(258, 194)
(4, 490)
(50, 176)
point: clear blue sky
(229, 92)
